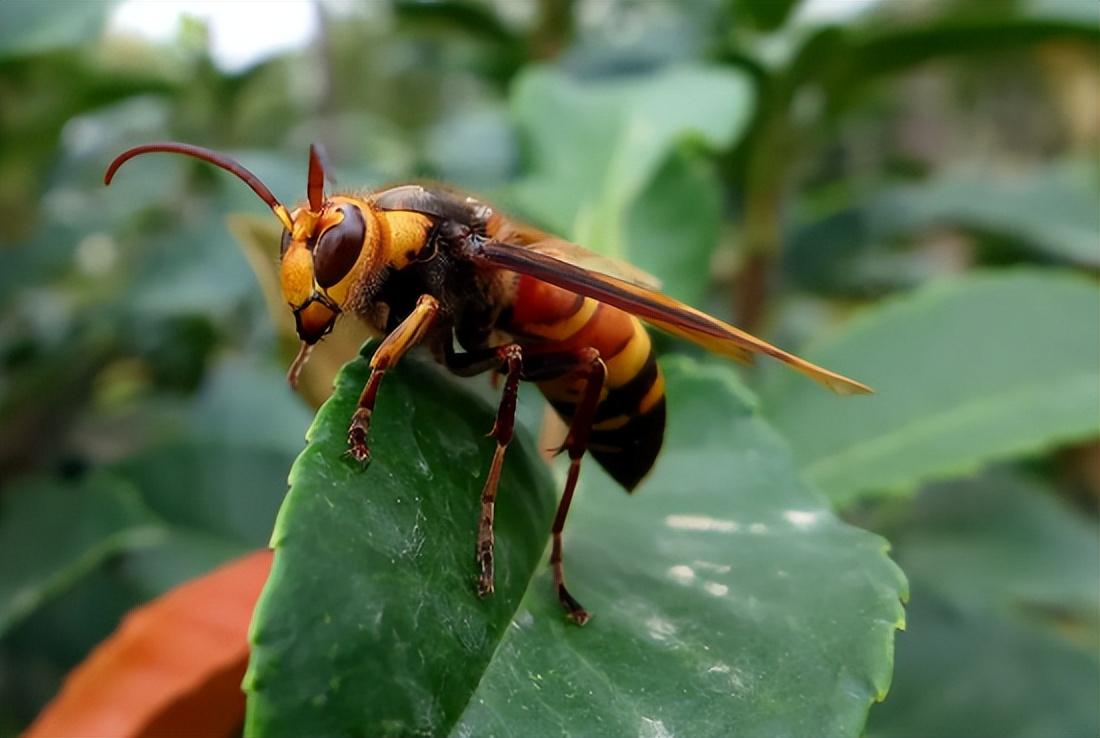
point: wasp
(426, 265)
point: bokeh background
(795, 166)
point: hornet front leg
(406, 335)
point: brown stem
(552, 29)
(762, 244)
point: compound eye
(285, 244)
(338, 247)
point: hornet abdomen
(630, 419)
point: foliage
(728, 565)
(906, 193)
(994, 382)
(1004, 614)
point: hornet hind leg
(594, 371)
(585, 363)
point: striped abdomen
(630, 420)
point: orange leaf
(173, 668)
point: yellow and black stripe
(629, 424)
(629, 427)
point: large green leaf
(594, 146)
(766, 14)
(960, 674)
(52, 533)
(28, 27)
(1002, 634)
(664, 242)
(1002, 543)
(726, 596)
(984, 367)
(369, 623)
(1052, 209)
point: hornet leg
(411, 330)
(512, 358)
(588, 364)
(508, 358)
(575, 444)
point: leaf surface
(1002, 638)
(964, 372)
(596, 150)
(726, 596)
(370, 623)
(1052, 209)
(51, 534)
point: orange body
(630, 420)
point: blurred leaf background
(906, 191)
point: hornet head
(327, 243)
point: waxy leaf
(1006, 585)
(32, 28)
(52, 534)
(726, 596)
(370, 624)
(728, 599)
(985, 367)
(1052, 209)
(619, 165)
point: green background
(905, 192)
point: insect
(422, 265)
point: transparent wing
(540, 260)
(578, 256)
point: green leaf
(767, 15)
(728, 599)
(664, 242)
(228, 493)
(870, 54)
(726, 596)
(985, 367)
(52, 534)
(369, 623)
(596, 145)
(1002, 631)
(1052, 209)
(28, 27)
(1002, 543)
(243, 405)
(959, 674)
